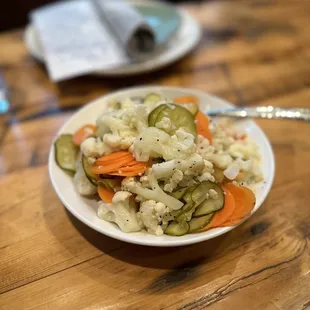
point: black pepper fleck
(140, 139)
(157, 140)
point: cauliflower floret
(204, 148)
(81, 182)
(127, 103)
(154, 216)
(221, 161)
(220, 138)
(164, 123)
(179, 172)
(145, 181)
(136, 117)
(206, 176)
(153, 142)
(175, 179)
(187, 181)
(122, 211)
(186, 138)
(246, 150)
(155, 193)
(94, 147)
(191, 166)
(207, 172)
(116, 142)
(119, 128)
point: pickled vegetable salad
(158, 165)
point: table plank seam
(51, 274)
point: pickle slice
(179, 117)
(66, 153)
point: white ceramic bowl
(85, 209)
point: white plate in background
(183, 41)
(85, 209)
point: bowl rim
(159, 243)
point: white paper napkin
(83, 36)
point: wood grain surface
(252, 52)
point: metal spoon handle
(264, 112)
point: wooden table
(252, 52)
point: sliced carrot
(119, 163)
(136, 167)
(203, 126)
(105, 194)
(131, 171)
(103, 169)
(245, 202)
(84, 133)
(113, 157)
(128, 174)
(225, 213)
(187, 99)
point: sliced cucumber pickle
(187, 197)
(201, 192)
(186, 213)
(179, 117)
(176, 229)
(153, 115)
(66, 153)
(178, 194)
(151, 98)
(110, 183)
(87, 169)
(188, 209)
(197, 223)
(210, 204)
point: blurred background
(14, 13)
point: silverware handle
(265, 112)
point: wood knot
(259, 228)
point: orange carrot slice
(104, 169)
(84, 133)
(225, 213)
(245, 202)
(105, 194)
(131, 171)
(136, 167)
(203, 126)
(187, 99)
(113, 157)
(119, 163)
